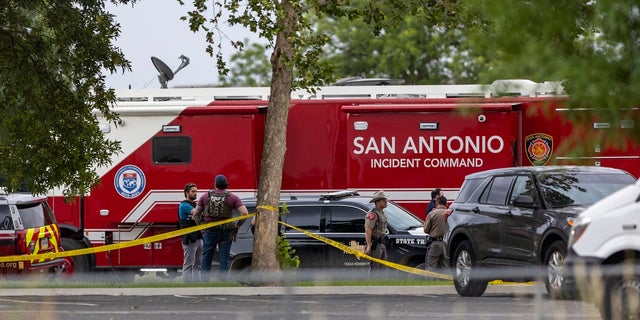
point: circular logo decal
(129, 181)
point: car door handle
(475, 210)
(509, 214)
(629, 227)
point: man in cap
(217, 205)
(375, 229)
(191, 242)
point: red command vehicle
(406, 140)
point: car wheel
(621, 298)
(465, 279)
(554, 261)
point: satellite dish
(165, 72)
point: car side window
(346, 220)
(306, 218)
(496, 192)
(523, 186)
(6, 222)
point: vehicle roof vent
(339, 195)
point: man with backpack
(191, 242)
(217, 205)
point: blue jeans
(222, 239)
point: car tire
(554, 277)
(621, 298)
(465, 278)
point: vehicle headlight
(580, 225)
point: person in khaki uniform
(375, 229)
(434, 226)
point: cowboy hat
(379, 195)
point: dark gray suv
(507, 223)
(338, 216)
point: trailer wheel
(80, 264)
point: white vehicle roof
(16, 198)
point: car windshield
(580, 189)
(400, 219)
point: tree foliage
(251, 67)
(297, 50)
(52, 55)
(420, 48)
(592, 46)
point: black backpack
(217, 206)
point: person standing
(434, 226)
(191, 242)
(217, 205)
(435, 194)
(375, 230)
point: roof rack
(204, 96)
(339, 195)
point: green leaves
(590, 45)
(51, 59)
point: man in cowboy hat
(375, 229)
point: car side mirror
(524, 201)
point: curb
(518, 289)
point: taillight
(21, 243)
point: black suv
(520, 217)
(338, 216)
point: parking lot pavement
(511, 289)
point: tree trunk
(275, 143)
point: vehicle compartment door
(312, 252)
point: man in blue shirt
(435, 194)
(191, 242)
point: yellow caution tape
(180, 232)
(122, 245)
(270, 208)
(361, 254)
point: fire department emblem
(539, 148)
(129, 181)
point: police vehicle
(338, 216)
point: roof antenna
(165, 72)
